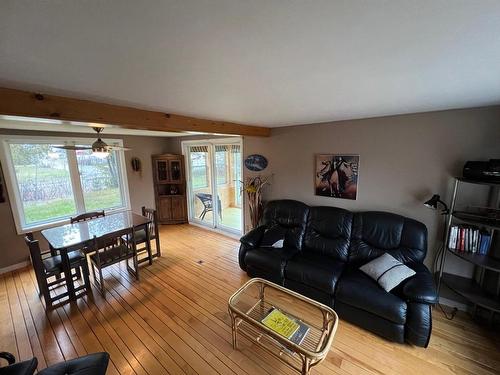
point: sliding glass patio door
(214, 187)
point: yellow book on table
(281, 323)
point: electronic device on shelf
(483, 170)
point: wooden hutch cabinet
(170, 188)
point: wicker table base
(251, 303)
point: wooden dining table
(69, 237)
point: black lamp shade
(433, 202)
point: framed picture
(336, 176)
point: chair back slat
(39, 268)
(110, 249)
(87, 216)
(35, 252)
(112, 240)
(118, 251)
(152, 215)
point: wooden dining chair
(87, 216)
(141, 236)
(47, 266)
(154, 233)
(112, 249)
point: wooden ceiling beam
(32, 104)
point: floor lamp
(434, 204)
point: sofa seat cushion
(139, 235)
(317, 271)
(54, 263)
(273, 237)
(359, 290)
(271, 260)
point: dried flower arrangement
(253, 186)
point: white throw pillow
(387, 271)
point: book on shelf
(469, 239)
(287, 326)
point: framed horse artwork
(336, 176)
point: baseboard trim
(14, 267)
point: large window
(199, 167)
(48, 185)
(221, 165)
(100, 180)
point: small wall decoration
(256, 162)
(136, 164)
(336, 176)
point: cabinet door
(179, 208)
(165, 209)
(161, 170)
(175, 169)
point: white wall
(403, 160)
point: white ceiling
(261, 62)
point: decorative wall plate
(256, 162)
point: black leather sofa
(322, 252)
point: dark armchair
(20, 368)
(92, 364)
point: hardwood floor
(175, 321)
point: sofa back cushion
(290, 215)
(328, 232)
(375, 233)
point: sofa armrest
(421, 287)
(253, 238)
(249, 241)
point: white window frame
(13, 187)
(211, 142)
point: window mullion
(76, 182)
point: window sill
(52, 224)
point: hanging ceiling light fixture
(99, 148)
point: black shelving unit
(473, 289)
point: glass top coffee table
(257, 297)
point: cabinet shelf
(471, 291)
(478, 220)
(484, 261)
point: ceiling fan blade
(118, 148)
(70, 147)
